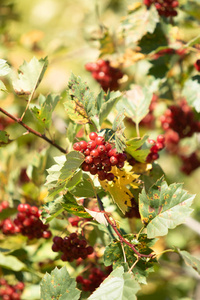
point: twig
(122, 239)
(133, 265)
(42, 136)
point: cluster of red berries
(165, 8)
(105, 74)
(149, 119)
(180, 118)
(197, 65)
(10, 292)
(29, 224)
(72, 247)
(96, 277)
(99, 156)
(155, 148)
(7, 226)
(190, 163)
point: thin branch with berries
(29, 129)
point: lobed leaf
(80, 104)
(11, 262)
(114, 255)
(119, 285)
(118, 128)
(30, 76)
(106, 104)
(164, 207)
(138, 22)
(191, 92)
(85, 188)
(132, 147)
(44, 113)
(4, 68)
(190, 260)
(120, 194)
(51, 210)
(136, 103)
(61, 173)
(70, 204)
(59, 285)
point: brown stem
(122, 239)
(42, 136)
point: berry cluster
(72, 247)
(99, 156)
(29, 224)
(106, 75)
(96, 277)
(7, 226)
(10, 292)
(190, 163)
(180, 118)
(155, 148)
(149, 119)
(197, 65)
(165, 8)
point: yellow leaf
(134, 6)
(118, 189)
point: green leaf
(80, 104)
(119, 137)
(132, 148)
(2, 86)
(30, 76)
(190, 260)
(11, 263)
(138, 23)
(160, 66)
(110, 99)
(4, 138)
(70, 204)
(114, 255)
(151, 41)
(31, 292)
(61, 173)
(44, 113)
(191, 92)
(59, 285)
(107, 45)
(117, 286)
(51, 210)
(4, 67)
(154, 174)
(85, 188)
(7, 212)
(164, 207)
(136, 103)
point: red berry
(113, 160)
(93, 135)
(110, 176)
(90, 250)
(83, 145)
(99, 140)
(101, 149)
(85, 167)
(46, 234)
(160, 138)
(88, 159)
(77, 146)
(91, 145)
(94, 153)
(86, 152)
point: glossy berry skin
(100, 157)
(165, 8)
(77, 147)
(93, 136)
(71, 247)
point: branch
(42, 136)
(122, 239)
